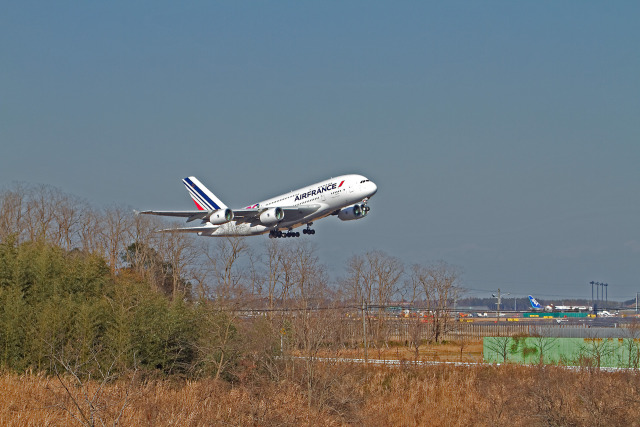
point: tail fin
(202, 197)
(534, 302)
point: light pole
(499, 297)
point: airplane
(345, 196)
(536, 306)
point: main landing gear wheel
(308, 230)
(278, 233)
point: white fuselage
(330, 196)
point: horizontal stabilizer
(203, 230)
(190, 215)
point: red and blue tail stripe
(200, 198)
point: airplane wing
(240, 216)
(204, 230)
(291, 213)
(191, 215)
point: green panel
(555, 314)
(605, 352)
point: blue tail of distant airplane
(534, 303)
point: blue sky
(503, 136)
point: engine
(353, 212)
(221, 216)
(271, 216)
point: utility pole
(637, 301)
(499, 297)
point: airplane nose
(374, 188)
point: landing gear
(278, 234)
(308, 230)
(365, 208)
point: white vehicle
(345, 196)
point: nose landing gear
(364, 205)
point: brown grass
(447, 352)
(343, 394)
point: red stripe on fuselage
(341, 184)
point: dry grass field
(341, 395)
(447, 352)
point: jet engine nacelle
(221, 216)
(353, 212)
(271, 216)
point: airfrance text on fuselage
(320, 190)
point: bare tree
(500, 346)
(228, 270)
(596, 351)
(113, 235)
(66, 213)
(313, 322)
(439, 283)
(85, 383)
(632, 344)
(90, 230)
(39, 217)
(355, 283)
(414, 294)
(273, 262)
(12, 213)
(178, 251)
(544, 345)
(375, 278)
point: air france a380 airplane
(345, 196)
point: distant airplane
(345, 196)
(536, 306)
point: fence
(405, 330)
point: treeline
(59, 306)
(95, 290)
